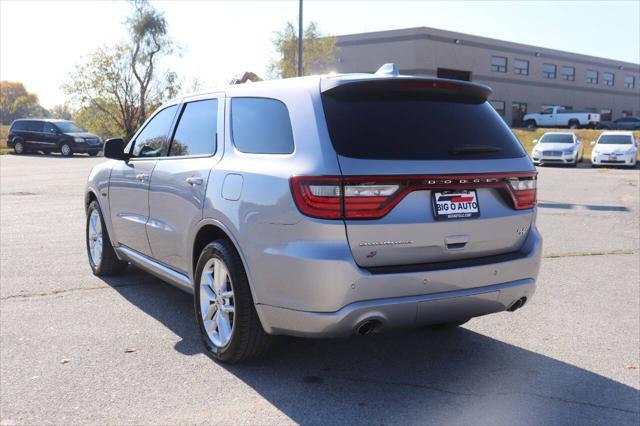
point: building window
(518, 111)
(549, 71)
(606, 114)
(499, 106)
(592, 76)
(629, 82)
(520, 66)
(568, 73)
(607, 78)
(498, 64)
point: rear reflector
(335, 197)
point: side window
(153, 140)
(196, 132)
(49, 128)
(19, 125)
(35, 126)
(261, 126)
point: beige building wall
(421, 51)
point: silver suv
(322, 206)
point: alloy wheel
(217, 307)
(95, 238)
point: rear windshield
(615, 140)
(556, 138)
(406, 127)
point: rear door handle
(194, 180)
(141, 177)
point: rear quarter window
(19, 125)
(405, 126)
(261, 126)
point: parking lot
(79, 349)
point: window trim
(605, 82)
(572, 75)
(260, 154)
(516, 69)
(547, 74)
(627, 85)
(587, 78)
(506, 64)
(132, 143)
(504, 107)
(174, 127)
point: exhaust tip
(517, 304)
(366, 327)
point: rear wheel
(574, 124)
(227, 319)
(18, 147)
(65, 150)
(102, 256)
(531, 124)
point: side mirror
(114, 149)
(593, 143)
(535, 141)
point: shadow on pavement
(434, 376)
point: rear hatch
(430, 172)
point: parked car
(557, 148)
(48, 135)
(558, 116)
(623, 123)
(615, 148)
(321, 207)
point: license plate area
(460, 204)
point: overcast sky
(40, 42)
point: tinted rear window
(19, 125)
(35, 126)
(261, 126)
(557, 138)
(406, 127)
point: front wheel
(102, 256)
(574, 125)
(65, 150)
(531, 124)
(227, 319)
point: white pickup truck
(558, 116)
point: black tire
(19, 148)
(531, 124)
(574, 124)
(248, 339)
(65, 150)
(93, 153)
(109, 264)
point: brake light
(335, 197)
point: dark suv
(48, 136)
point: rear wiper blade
(473, 149)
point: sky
(221, 39)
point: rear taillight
(334, 197)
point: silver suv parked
(322, 206)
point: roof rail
(390, 69)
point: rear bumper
(398, 312)
(405, 299)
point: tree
(96, 121)
(61, 111)
(150, 38)
(122, 82)
(318, 55)
(16, 102)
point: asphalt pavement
(79, 349)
